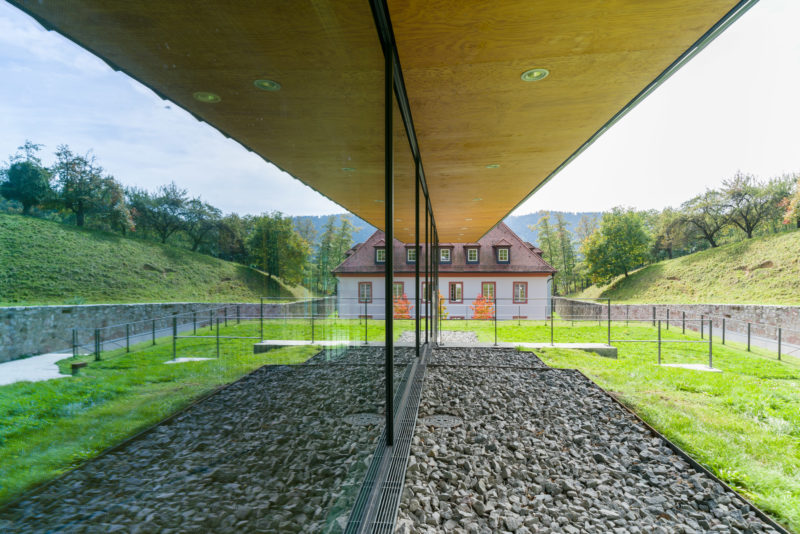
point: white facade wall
(536, 307)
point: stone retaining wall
(764, 320)
(27, 330)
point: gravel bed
(283, 450)
(495, 357)
(447, 336)
(547, 452)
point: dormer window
(472, 255)
(411, 255)
(503, 255)
(380, 255)
(444, 256)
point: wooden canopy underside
(461, 63)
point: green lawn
(49, 427)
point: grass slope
(762, 270)
(43, 262)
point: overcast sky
(734, 107)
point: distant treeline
(77, 190)
(617, 242)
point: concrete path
(33, 369)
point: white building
(509, 273)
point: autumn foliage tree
(402, 307)
(482, 308)
(442, 308)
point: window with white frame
(472, 255)
(364, 292)
(444, 255)
(456, 291)
(411, 255)
(520, 292)
(397, 290)
(380, 255)
(502, 255)
(424, 293)
(487, 290)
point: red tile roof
(525, 258)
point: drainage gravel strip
(283, 450)
(532, 452)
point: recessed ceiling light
(465, 228)
(348, 169)
(493, 166)
(477, 199)
(206, 97)
(460, 234)
(267, 85)
(534, 75)
(467, 219)
(377, 200)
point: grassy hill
(43, 262)
(762, 270)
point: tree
(566, 252)
(791, 206)
(111, 207)
(749, 201)
(482, 308)
(161, 212)
(232, 235)
(26, 180)
(586, 227)
(548, 242)
(80, 183)
(334, 243)
(276, 248)
(199, 221)
(618, 246)
(442, 308)
(669, 233)
(402, 307)
(707, 214)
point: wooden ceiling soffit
(487, 139)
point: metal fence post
(748, 337)
(609, 321)
(683, 323)
(654, 315)
(667, 318)
(154, 331)
(225, 314)
(127, 337)
(627, 313)
(194, 323)
(211, 319)
(552, 310)
(659, 342)
(702, 325)
(312, 324)
(97, 344)
(495, 320)
(779, 344)
(710, 344)
(723, 330)
(74, 342)
(218, 338)
(261, 315)
(238, 315)
(174, 336)
(366, 327)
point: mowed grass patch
(49, 427)
(45, 262)
(743, 423)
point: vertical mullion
(388, 203)
(417, 254)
